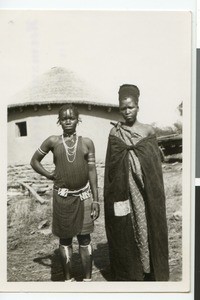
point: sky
(106, 49)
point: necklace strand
(68, 149)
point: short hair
(127, 90)
(66, 107)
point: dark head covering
(127, 90)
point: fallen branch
(33, 192)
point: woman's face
(129, 108)
(68, 120)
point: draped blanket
(125, 255)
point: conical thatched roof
(59, 85)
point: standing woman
(75, 195)
(135, 212)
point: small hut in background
(33, 115)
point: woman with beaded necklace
(75, 195)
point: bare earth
(32, 249)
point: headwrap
(127, 90)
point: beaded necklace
(70, 151)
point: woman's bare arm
(39, 154)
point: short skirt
(71, 215)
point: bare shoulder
(51, 141)
(150, 129)
(145, 129)
(88, 142)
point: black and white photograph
(98, 108)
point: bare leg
(66, 255)
(86, 257)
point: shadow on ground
(101, 270)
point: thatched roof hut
(32, 116)
(57, 86)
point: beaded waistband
(64, 192)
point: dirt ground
(32, 250)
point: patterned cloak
(124, 253)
